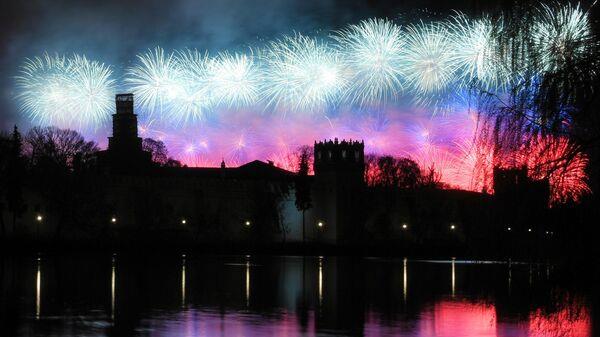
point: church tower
(338, 186)
(125, 153)
(125, 133)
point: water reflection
(38, 289)
(183, 281)
(247, 280)
(404, 279)
(453, 277)
(320, 281)
(205, 296)
(113, 281)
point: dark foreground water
(105, 295)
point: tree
(15, 173)
(409, 173)
(157, 149)
(4, 160)
(303, 195)
(62, 166)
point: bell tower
(125, 153)
(338, 186)
(125, 133)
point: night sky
(114, 31)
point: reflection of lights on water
(320, 280)
(183, 281)
(38, 289)
(404, 279)
(453, 277)
(113, 279)
(530, 274)
(509, 275)
(247, 280)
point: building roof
(253, 170)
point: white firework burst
(372, 51)
(429, 59)
(560, 34)
(72, 92)
(234, 79)
(302, 74)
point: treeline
(399, 172)
(54, 171)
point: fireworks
(373, 53)
(154, 80)
(303, 74)
(234, 79)
(70, 92)
(429, 59)
(476, 52)
(351, 83)
(559, 34)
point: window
(344, 154)
(329, 154)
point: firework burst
(234, 79)
(72, 92)
(560, 34)
(428, 58)
(154, 80)
(475, 52)
(372, 50)
(303, 74)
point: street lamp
(404, 226)
(39, 218)
(529, 229)
(320, 224)
(452, 227)
(183, 221)
(113, 220)
(509, 229)
(247, 223)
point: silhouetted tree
(15, 176)
(409, 173)
(159, 152)
(387, 171)
(431, 179)
(4, 158)
(62, 163)
(157, 149)
(402, 173)
(303, 195)
(371, 170)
